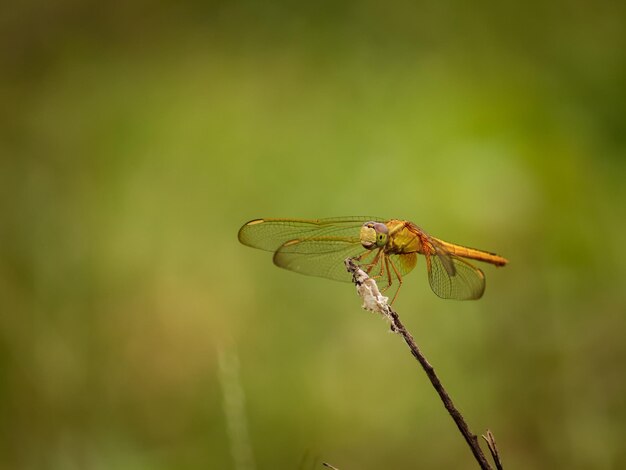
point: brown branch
(491, 443)
(374, 301)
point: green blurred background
(136, 138)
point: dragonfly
(387, 249)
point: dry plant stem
(491, 443)
(470, 438)
(374, 301)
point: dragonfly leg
(383, 262)
(395, 270)
(389, 280)
(368, 266)
(374, 262)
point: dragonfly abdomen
(473, 253)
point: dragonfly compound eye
(381, 234)
(373, 235)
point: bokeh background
(137, 137)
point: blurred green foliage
(135, 139)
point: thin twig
(491, 443)
(374, 301)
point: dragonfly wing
(272, 234)
(319, 256)
(451, 277)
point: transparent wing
(451, 277)
(272, 234)
(319, 256)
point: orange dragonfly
(387, 249)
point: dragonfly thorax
(373, 235)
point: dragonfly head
(374, 235)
